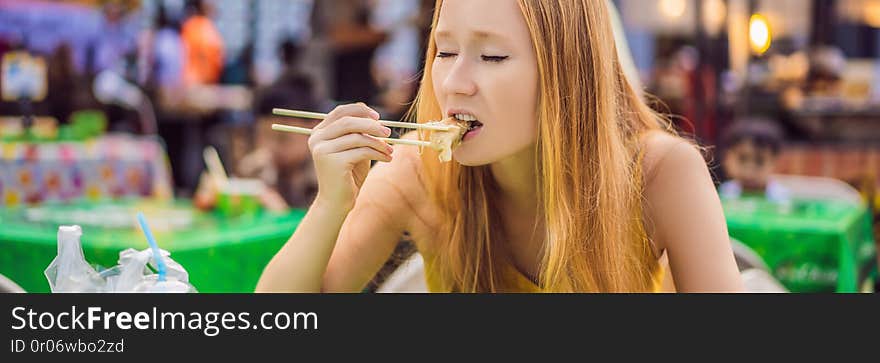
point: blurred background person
(162, 53)
(281, 161)
(64, 84)
(395, 64)
(751, 149)
(203, 45)
(115, 39)
(293, 89)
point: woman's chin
(475, 154)
(466, 158)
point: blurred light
(759, 34)
(673, 8)
(872, 13)
(714, 16)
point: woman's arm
(300, 264)
(687, 221)
(334, 250)
(341, 146)
(375, 227)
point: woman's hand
(342, 146)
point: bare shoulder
(664, 152)
(675, 175)
(684, 216)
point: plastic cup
(240, 197)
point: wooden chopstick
(305, 131)
(321, 116)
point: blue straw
(156, 255)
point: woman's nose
(460, 80)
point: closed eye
(496, 59)
(445, 54)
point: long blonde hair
(588, 166)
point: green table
(810, 246)
(220, 254)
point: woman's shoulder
(677, 185)
(666, 153)
(684, 215)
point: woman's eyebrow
(488, 34)
(480, 34)
(443, 34)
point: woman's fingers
(341, 147)
(354, 110)
(357, 155)
(345, 120)
(352, 125)
(354, 141)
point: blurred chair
(746, 258)
(760, 281)
(8, 286)
(755, 273)
(811, 187)
(409, 277)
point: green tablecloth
(810, 246)
(220, 254)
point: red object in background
(707, 124)
(204, 51)
(30, 153)
(813, 161)
(852, 164)
(689, 89)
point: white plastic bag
(69, 271)
(134, 276)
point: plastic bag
(69, 271)
(134, 276)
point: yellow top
(515, 281)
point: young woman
(567, 182)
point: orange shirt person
(203, 47)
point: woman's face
(485, 68)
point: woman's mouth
(473, 125)
(473, 130)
